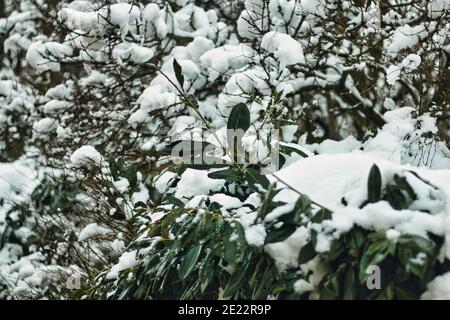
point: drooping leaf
(280, 234)
(175, 201)
(206, 273)
(178, 73)
(289, 150)
(253, 176)
(374, 256)
(321, 215)
(189, 261)
(236, 281)
(307, 253)
(355, 239)
(350, 284)
(229, 175)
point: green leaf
(206, 273)
(253, 176)
(405, 294)
(336, 250)
(236, 281)
(350, 284)
(233, 251)
(289, 150)
(307, 253)
(396, 198)
(175, 201)
(374, 184)
(263, 285)
(212, 163)
(388, 293)
(229, 175)
(194, 147)
(321, 215)
(409, 247)
(355, 239)
(374, 255)
(280, 234)
(404, 185)
(178, 73)
(329, 286)
(189, 261)
(239, 118)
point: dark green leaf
(189, 261)
(289, 150)
(355, 239)
(178, 73)
(321, 215)
(229, 175)
(307, 253)
(253, 176)
(350, 284)
(374, 255)
(374, 184)
(396, 198)
(236, 281)
(280, 234)
(233, 251)
(206, 274)
(388, 293)
(239, 118)
(175, 201)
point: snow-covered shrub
(343, 162)
(264, 243)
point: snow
(196, 182)
(41, 56)
(84, 21)
(44, 125)
(93, 230)
(285, 253)
(16, 177)
(405, 37)
(438, 288)
(411, 62)
(123, 13)
(56, 106)
(328, 146)
(227, 202)
(86, 155)
(122, 185)
(66, 91)
(220, 61)
(127, 260)
(151, 12)
(287, 50)
(164, 180)
(392, 234)
(133, 52)
(301, 286)
(255, 235)
(435, 8)
(141, 195)
(393, 74)
(326, 179)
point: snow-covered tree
(343, 161)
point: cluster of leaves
(201, 259)
(204, 255)
(406, 264)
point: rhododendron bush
(243, 149)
